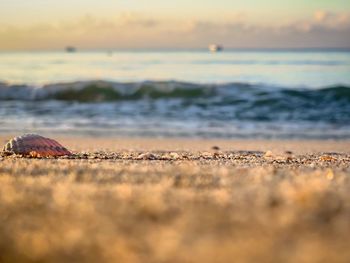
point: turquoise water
(232, 94)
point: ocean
(259, 94)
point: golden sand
(156, 200)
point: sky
(113, 24)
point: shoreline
(91, 143)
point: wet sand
(177, 200)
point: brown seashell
(35, 146)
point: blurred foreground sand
(153, 200)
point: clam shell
(35, 145)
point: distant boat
(71, 49)
(215, 48)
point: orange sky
(88, 24)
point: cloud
(327, 17)
(320, 15)
(330, 19)
(135, 30)
(136, 20)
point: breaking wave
(239, 101)
(103, 91)
(100, 91)
(108, 94)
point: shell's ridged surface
(33, 144)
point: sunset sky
(89, 24)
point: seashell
(35, 146)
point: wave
(102, 91)
(172, 108)
(239, 101)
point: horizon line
(110, 49)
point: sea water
(178, 93)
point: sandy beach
(175, 131)
(177, 200)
